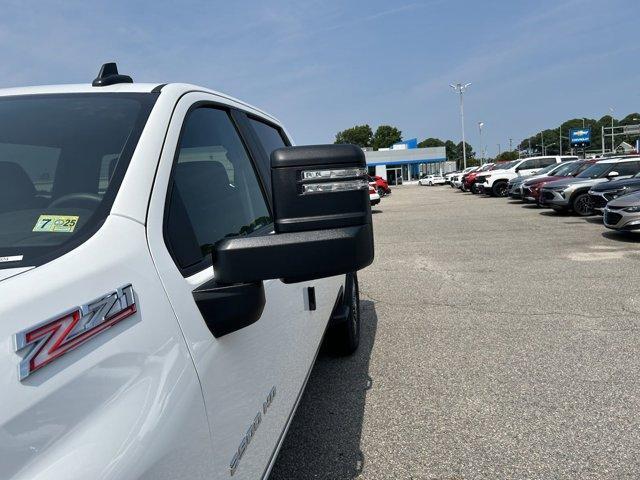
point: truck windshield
(506, 165)
(62, 158)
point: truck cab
(169, 266)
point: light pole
(560, 138)
(545, 148)
(613, 144)
(480, 125)
(511, 144)
(499, 149)
(460, 88)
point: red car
(531, 188)
(381, 185)
(469, 180)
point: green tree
(360, 135)
(385, 136)
(507, 156)
(460, 157)
(451, 151)
(431, 142)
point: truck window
(214, 192)
(545, 162)
(528, 165)
(627, 168)
(270, 138)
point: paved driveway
(500, 341)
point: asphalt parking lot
(499, 341)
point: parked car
(382, 187)
(456, 180)
(515, 184)
(572, 194)
(481, 178)
(448, 176)
(469, 180)
(602, 193)
(374, 196)
(623, 213)
(169, 266)
(532, 186)
(431, 180)
(496, 182)
(463, 177)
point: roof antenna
(109, 76)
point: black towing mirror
(322, 220)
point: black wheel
(431, 184)
(344, 338)
(474, 189)
(581, 205)
(381, 192)
(500, 189)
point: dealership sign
(580, 137)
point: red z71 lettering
(54, 338)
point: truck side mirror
(322, 220)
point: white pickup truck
(169, 265)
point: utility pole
(560, 138)
(602, 137)
(613, 142)
(511, 144)
(529, 145)
(542, 140)
(480, 125)
(460, 88)
(498, 149)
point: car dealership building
(405, 162)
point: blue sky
(322, 66)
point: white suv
(169, 265)
(495, 182)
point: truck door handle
(227, 308)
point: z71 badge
(53, 338)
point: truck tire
(381, 192)
(344, 338)
(500, 189)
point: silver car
(623, 213)
(573, 193)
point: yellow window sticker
(56, 223)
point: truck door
(208, 188)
